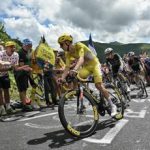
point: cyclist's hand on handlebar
(73, 73)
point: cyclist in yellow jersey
(89, 62)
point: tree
(2, 28)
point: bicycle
(79, 109)
(140, 85)
(119, 83)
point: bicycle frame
(80, 101)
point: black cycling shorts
(5, 82)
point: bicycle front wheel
(79, 117)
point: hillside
(119, 48)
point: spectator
(23, 77)
(9, 60)
(46, 59)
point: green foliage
(5, 37)
(14, 94)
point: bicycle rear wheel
(78, 122)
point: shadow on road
(110, 123)
(57, 139)
(18, 115)
(61, 138)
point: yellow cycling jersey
(81, 50)
(91, 64)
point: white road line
(40, 116)
(131, 114)
(30, 114)
(37, 126)
(110, 135)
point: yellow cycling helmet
(65, 37)
(10, 43)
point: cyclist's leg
(99, 85)
(124, 80)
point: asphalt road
(42, 130)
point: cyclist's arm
(129, 65)
(130, 68)
(141, 64)
(79, 63)
(80, 60)
(120, 62)
(65, 73)
(108, 64)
